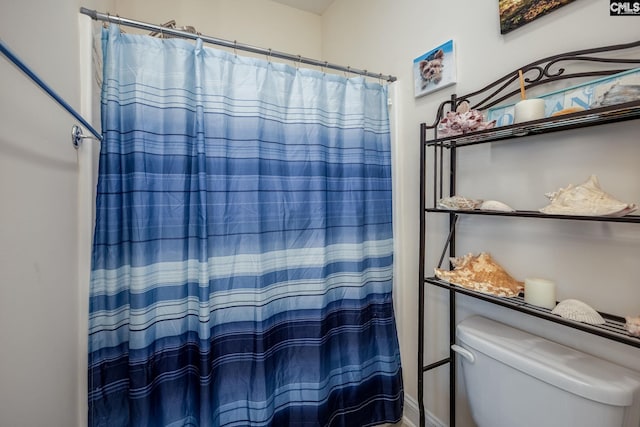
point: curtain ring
(269, 56)
(347, 71)
(235, 47)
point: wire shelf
(535, 214)
(613, 329)
(593, 117)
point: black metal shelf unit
(539, 72)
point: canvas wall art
(516, 13)
(435, 69)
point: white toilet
(516, 379)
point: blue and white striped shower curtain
(242, 261)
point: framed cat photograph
(435, 69)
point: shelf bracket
(448, 241)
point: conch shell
(586, 199)
(481, 273)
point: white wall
(40, 371)
(254, 22)
(593, 262)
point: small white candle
(540, 292)
(529, 109)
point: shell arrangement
(481, 273)
(586, 199)
(463, 120)
(579, 311)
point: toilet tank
(520, 379)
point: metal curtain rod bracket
(99, 16)
(77, 136)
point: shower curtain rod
(99, 16)
(76, 132)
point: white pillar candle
(529, 109)
(540, 292)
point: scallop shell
(579, 311)
(494, 205)
(459, 203)
(586, 199)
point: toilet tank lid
(553, 363)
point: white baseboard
(411, 417)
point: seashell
(494, 205)
(463, 107)
(579, 311)
(481, 273)
(458, 203)
(633, 325)
(586, 199)
(462, 121)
